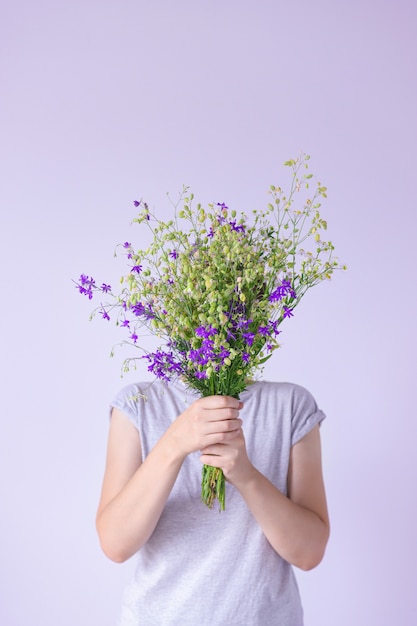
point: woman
(196, 565)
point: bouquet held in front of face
(215, 285)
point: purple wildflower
(201, 331)
(264, 331)
(128, 246)
(283, 290)
(85, 292)
(173, 254)
(104, 314)
(199, 357)
(163, 365)
(137, 269)
(134, 337)
(223, 354)
(85, 280)
(138, 309)
(238, 228)
(276, 295)
(243, 323)
(245, 357)
(249, 338)
(199, 374)
(105, 288)
(288, 312)
(136, 203)
(86, 286)
(273, 325)
(125, 324)
(203, 354)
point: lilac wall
(102, 102)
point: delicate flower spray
(215, 287)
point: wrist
(245, 480)
(173, 447)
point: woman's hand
(135, 491)
(296, 525)
(231, 457)
(207, 422)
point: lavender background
(104, 102)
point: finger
(217, 415)
(224, 426)
(211, 459)
(216, 449)
(220, 402)
(222, 438)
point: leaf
(264, 360)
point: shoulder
(132, 399)
(290, 404)
(285, 392)
(140, 401)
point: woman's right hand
(135, 490)
(207, 421)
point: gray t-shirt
(201, 566)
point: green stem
(213, 486)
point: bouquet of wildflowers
(215, 286)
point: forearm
(129, 519)
(297, 534)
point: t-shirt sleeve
(126, 400)
(305, 414)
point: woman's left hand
(297, 524)
(231, 457)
